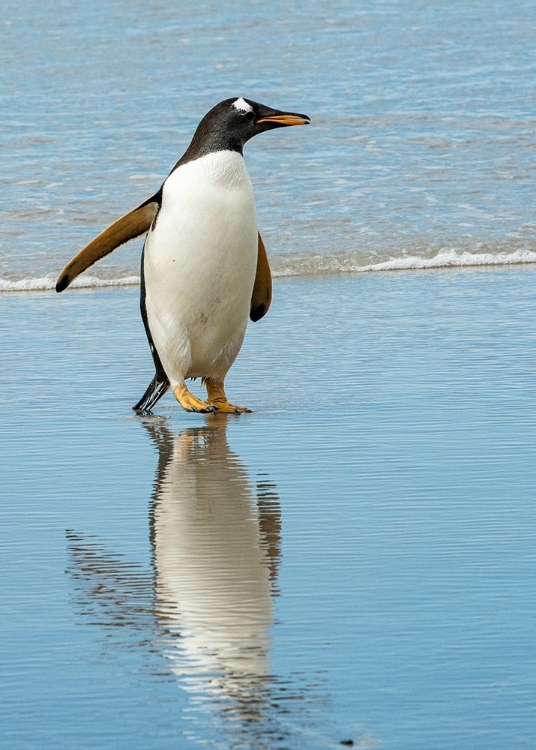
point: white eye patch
(242, 105)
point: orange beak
(286, 119)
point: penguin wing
(126, 228)
(261, 297)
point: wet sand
(353, 561)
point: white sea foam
(451, 258)
(353, 263)
(48, 283)
(287, 265)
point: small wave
(47, 283)
(356, 263)
(451, 258)
(316, 265)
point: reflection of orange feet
(218, 399)
(189, 402)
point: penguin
(204, 267)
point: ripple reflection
(216, 549)
(203, 615)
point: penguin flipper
(126, 228)
(261, 297)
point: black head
(231, 123)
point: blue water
(353, 561)
(422, 149)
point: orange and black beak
(274, 118)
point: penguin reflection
(215, 552)
(208, 604)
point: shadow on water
(203, 616)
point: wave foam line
(318, 265)
(445, 258)
(451, 258)
(46, 283)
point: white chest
(207, 225)
(208, 212)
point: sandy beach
(353, 561)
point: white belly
(200, 263)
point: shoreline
(46, 285)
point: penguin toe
(208, 409)
(227, 408)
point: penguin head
(232, 122)
(252, 118)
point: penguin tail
(156, 389)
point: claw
(222, 406)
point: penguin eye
(250, 115)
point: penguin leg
(156, 389)
(189, 402)
(217, 398)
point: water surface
(352, 561)
(422, 149)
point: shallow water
(353, 561)
(422, 149)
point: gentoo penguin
(204, 264)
